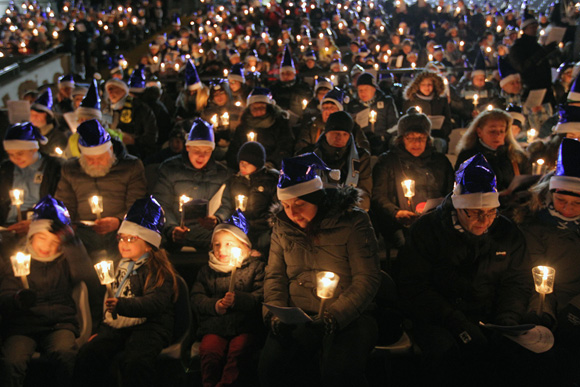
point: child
(43, 316)
(139, 318)
(229, 322)
(258, 184)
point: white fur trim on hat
(573, 96)
(566, 183)
(200, 143)
(300, 189)
(288, 68)
(477, 72)
(118, 83)
(89, 112)
(259, 98)
(65, 84)
(37, 106)
(236, 77)
(519, 116)
(567, 127)
(235, 231)
(475, 200)
(20, 144)
(95, 150)
(527, 22)
(509, 79)
(39, 226)
(150, 236)
(320, 84)
(195, 86)
(325, 100)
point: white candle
(252, 136)
(373, 117)
(531, 135)
(475, 100)
(225, 119)
(21, 267)
(304, 104)
(214, 120)
(408, 188)
(235, 261)
(241, 202)
(96, 203)
(326, 282)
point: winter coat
(176, 177)
(311, 131)
(57, 138)
(443, 271)
(500, 162)
(344, 244)
(244, 317)
(431, 171)
(119, 188)
(289, 95)
(50, 168)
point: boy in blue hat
(43, 117)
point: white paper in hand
(535, 98)
(289, 315)
(362, 118)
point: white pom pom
(334, 174)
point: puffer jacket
(244, 316)
(443, 271)
(119, 188)
(345, 244)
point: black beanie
(254, 153)
(414, 121)
(340, 120)
(366, 79)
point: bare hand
(178, 234)
(20, 228)
(474, 113)
(229, 299)
(106, 225)
(405, 217)
(209, 222)
(111, 304)
(128, 139)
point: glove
(25, 298)
(327, 325)
(545, 319)
(278, 328)
(465, 332)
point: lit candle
(490, 107)
(252, 136)
(17, 199)
(21, 266)
(214, 120)
(539, 167)
(58, 152)
(253, 69)
(475, 100)
(544, 283)
(96, 203)
(419, 109)
(304, 104)
(413, 65)
(182, 200)
(225, 119)
(238, 104)
(176, 67)
(430, 57)
(226, 73)
(235, 261)
(408, 188)
(326, 283)
(241, 202)
(373, 119)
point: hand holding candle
(21, 266)
(182, 200)
(17, 199)
(105, 272)
(96, 203)
(326, 283)
(235, 261)
(539, 167)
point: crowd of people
(428, 149)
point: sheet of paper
(362, 118)
(216, 201)
(289, 315)
(71, 120)
(18, 111)
(436, 121)
(400, 59)
(535, 98)
(554, 34)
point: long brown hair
(160, 267)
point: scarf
(261, 122)
(217, 265)
(552, 217)
(120, 103)
(425, 97)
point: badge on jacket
(126, 116)
(380, 105)
(38, 177)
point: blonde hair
(469, 139)
(201, 98)
(245, 248)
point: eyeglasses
(418, 139)
(496, 133)
(481, 215)
(127, 239)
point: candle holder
(105, 272)
(409, 191)
(21, 267)
(96, 203)
(235, 261)
(225, 119)
(539, 167)
(182, 200)
(326, 283)
(544, 283)
(252, 136)
(17, 199)
(531, 135)
(373, 119)
(241, 202)
(475, 100)
(214, 120)
(304, 104)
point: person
(194, 173)
(41, 316)
(257, 183)
(319, 230)
(103, 169)
(139, 317)
(229, 318)
(42, 116)
(193, 98)
(412, 157)
(490, 133)
(238, 87)
(462, 264)
(175, 146)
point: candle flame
(540, 161)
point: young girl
(229, 321)
(42, 317)
(139, 318)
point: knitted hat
(137, 81)
(516, 113)
(93, 138)
(45, 213)
(414, 121)
(567, 176)
(254, 153)
(66, 81)
(235, 225)
(201, 134)
(287, 62)
(310, 54)
(366, 79)
(323, 82)
(237, 73)
(475, 185)
(91, 105)
(117, 83)
(260, 94)
(192, 81)
(506, 72)
(341, 121)
(145, 219)
(337, 97)
(44, 103)
(23, 136)
(298, 176)
(569, 119)
(527, 19)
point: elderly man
(103, 169)
(463, 263)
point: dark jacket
(344, 243)
(50, 169)
(289, 95)
(311, 131)
(486, 278)
(437, 106)
(244, 316)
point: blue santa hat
(47, 211)
(479, 65)
(23, 136)
(91, 103)
(66, 81)
(516, 112)
(93, 138)
(567, 175)
(475, 185)
(298, 176)
(114, 64)
(260, 94)
(527, 19)
(574, 93)
(201, 134)
(192, 81)
(176, 20)
(363, 51)
(251, 54)
(310, 54)
(137, 81)
(237, 73)
(336, 96)
(237, 226)
(287, 62)
(145, 219)
(118, 83)
(232, 53)
(506, 72)
(323, 82)
(44, 103)
(569, 119)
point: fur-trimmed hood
(413, 88)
